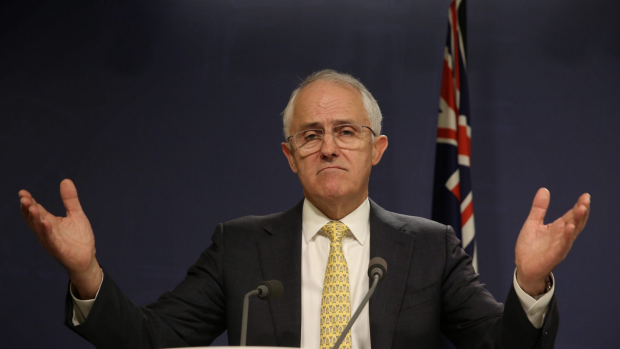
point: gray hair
(373, 113)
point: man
(320, 250)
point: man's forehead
(324, 102)
(327, 93)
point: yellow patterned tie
(336, 303)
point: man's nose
(329, 147)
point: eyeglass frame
(331, 132)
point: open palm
(69, 239)
(541, 247)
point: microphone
(266, 290)
(376, 271)
(269, 289)
(378, 266)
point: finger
(569, 238)
(30, 218)
(578, 215)
(41, 227)
(38, 213)
(69, 196)
(46, 235)
(580, 220)
(42, 211)
(585, 218)
(24, 193)
(582, 212)
(35, 220)
(25, 204)
(539, 206)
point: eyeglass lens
(344, 135)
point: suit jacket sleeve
(473, 319)
(192, 314)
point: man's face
(332, 174)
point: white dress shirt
(356, 248)
(314, 253)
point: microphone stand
(266, 290)
(244, 319)
(346, 330)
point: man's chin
(331, 194)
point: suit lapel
(279, 251)
(389, 241)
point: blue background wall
(166, 116)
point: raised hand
(541, 247)
(69, 239)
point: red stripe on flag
(467, 213)
(457, 191)
(446, 133)
(464, 141)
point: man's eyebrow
(319, 125)
(311, 125)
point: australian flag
(452, 193)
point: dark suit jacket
(430, 287)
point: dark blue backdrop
(166, 116)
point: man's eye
(346, 131)
(312, 135)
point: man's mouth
(331, 168)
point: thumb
(69, 196)
(539, 206)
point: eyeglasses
(346, 136)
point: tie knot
(335, 230)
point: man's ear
(378, 148)
(290, 156)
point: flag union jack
(452, 192)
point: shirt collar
(357, 221)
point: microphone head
(377, 266)
(270, 289)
